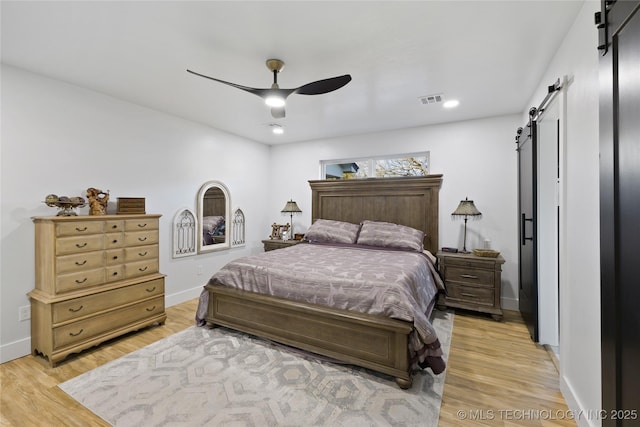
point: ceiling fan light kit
(274, 101)
(275, 97)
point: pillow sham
(390, 235)
(332, 231)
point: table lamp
(466, 209)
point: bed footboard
(368, 341)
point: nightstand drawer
(469, 275)
(468, 263)
(471, 294)
(271, 245)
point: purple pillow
(331, 231)
(390, 235)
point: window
(413, 164)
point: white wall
(477, 159)
(577, 58)
(62, 139)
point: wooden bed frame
(373, 342)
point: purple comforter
(397, 284)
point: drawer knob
(151, 290)
(143, 269)
(114, 226)
(115, 241)
(115, 257)
(76, 334)
(115, 273)
(468, 276)
(81, 263)
(81, 229)
(81, 245)
(143, 253)
(142, 225)
(151, 309)
(75, 310)
(142, 239)
(81, 281)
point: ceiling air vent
(431, 99)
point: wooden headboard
(410, 201)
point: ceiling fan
(275, 97)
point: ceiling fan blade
(263, 93)
(245, 88)
(277, 112)
(323, 86)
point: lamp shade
(290, 207)
(466, 208)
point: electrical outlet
(24, 313)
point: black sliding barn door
(620, 210)
(528, 271)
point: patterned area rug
(219, 377)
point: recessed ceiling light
(451, 103)
(277, 129)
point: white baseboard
(182, 296)
(582, 417)
(509, 304)
(15, 350)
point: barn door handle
(523, 221)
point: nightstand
(272, 244)
(472, 282)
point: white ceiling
(488, 55)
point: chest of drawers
(96, 278)
(472, 282)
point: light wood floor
(495, 376)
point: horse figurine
(98, 200)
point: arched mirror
(214, 217)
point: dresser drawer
(470, 294)
(136, 269)
(79, 262)
(469, 275)
(74, 245)
(88, 328)
(141, 253)
(75, 281)
(113, 273)
(141, 224)
(78, 228)
(91, 304)
(113, 240)
(137, 238)
(113, 225)
(114, 256)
